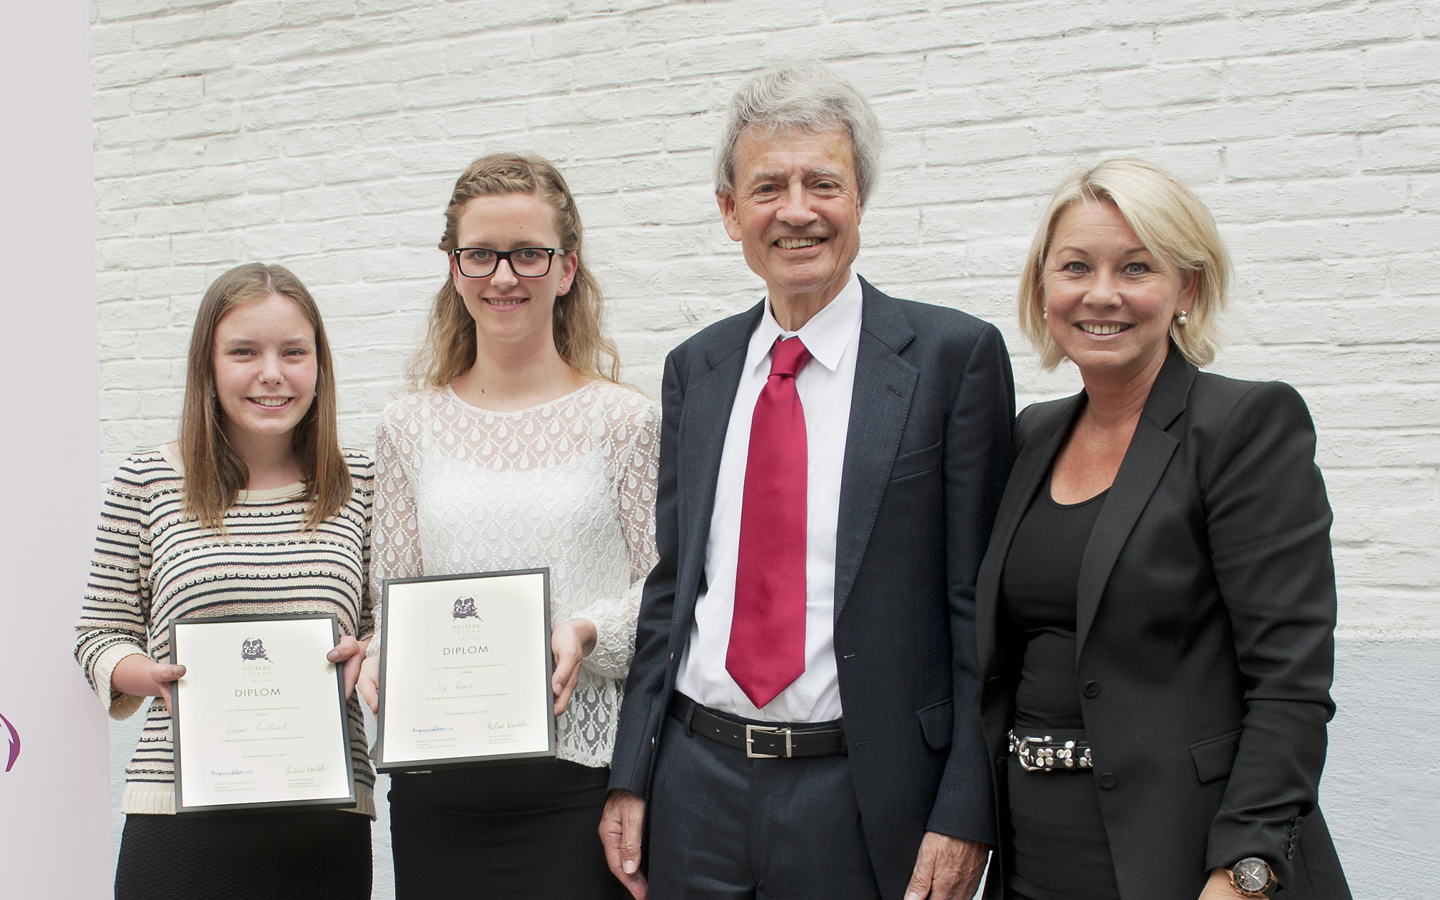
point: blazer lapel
(879, 407)
(704, 421)
(1145, 461)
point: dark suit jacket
(1205, 634)
(926, 459)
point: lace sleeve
(636, 472)
(395, 528)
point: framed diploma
(259, 717)
(465, 670)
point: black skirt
(525, 829)
(278, 855)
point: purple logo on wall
(13, 737)
(253, 650)
(465, 609)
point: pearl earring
(1044, 313)
(1182, 319)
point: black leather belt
(760, 740)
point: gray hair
(801, 96)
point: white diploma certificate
(259, 717)
(465, 670)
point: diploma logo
(252, 650)
(465, 609)
(12, 738)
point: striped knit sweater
(151, 566)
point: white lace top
(569, 484)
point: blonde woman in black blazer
(1156, 611)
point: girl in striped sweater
(256, 508)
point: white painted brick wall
(324, 134)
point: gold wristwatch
(1251, 877)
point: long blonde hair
(450, 349)
(214, 472)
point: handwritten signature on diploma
(233, 728)
(496, 726)
(460, 684)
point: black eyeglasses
(527, 262)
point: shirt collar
(826, 335)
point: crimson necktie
(767, 633)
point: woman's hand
(1219, 887)
(368, 682)
(142, 676)
(569, 642)
(349, 654)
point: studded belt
(1048, 754)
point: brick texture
(324, 134)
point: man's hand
(349, 654)
(947, 868)
(620, 833)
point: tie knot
(787, 358)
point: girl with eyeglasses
(520, 450)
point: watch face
(1252, 875)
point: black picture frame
(181, 807)
(390, 596)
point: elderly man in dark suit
(801, 718)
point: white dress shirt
(825, 385)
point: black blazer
(928, 451)
(1205, 635)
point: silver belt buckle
(1023, 746)
(765, 729)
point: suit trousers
(722, 826)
